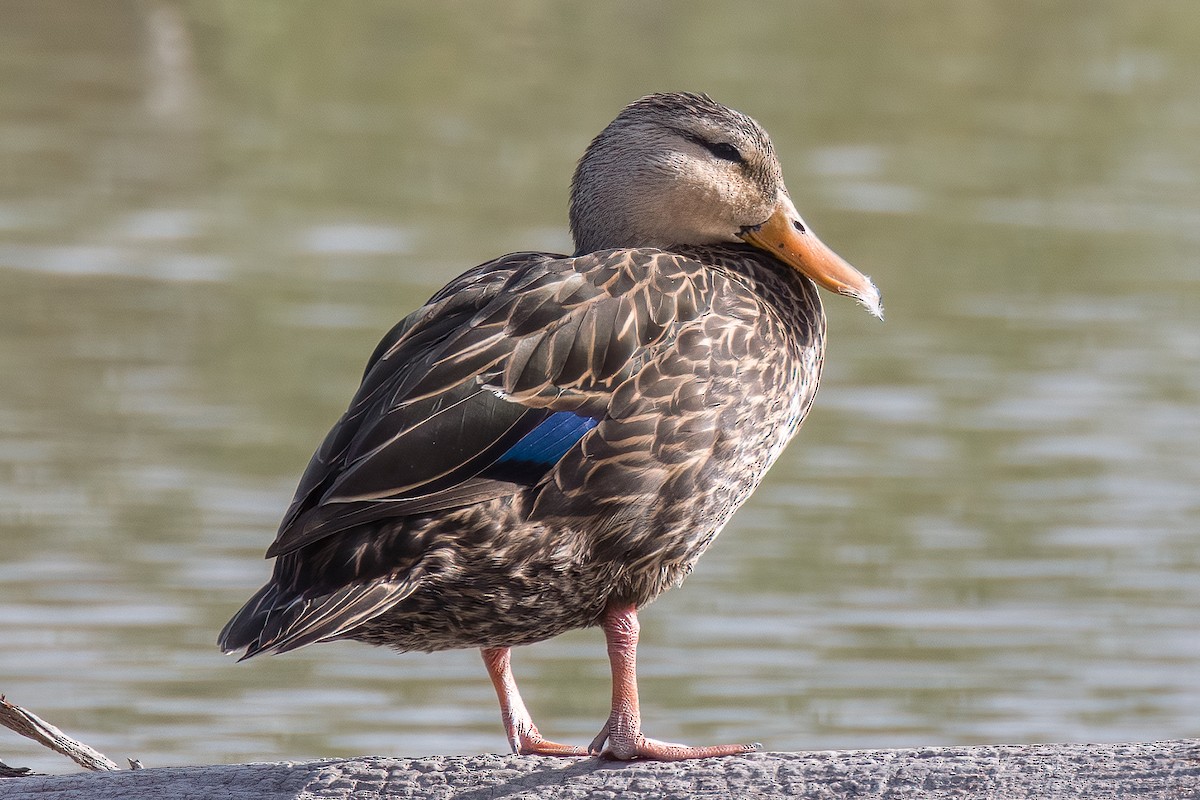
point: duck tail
(245, 629)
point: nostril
(798, 225)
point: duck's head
(682, 169)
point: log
(1144, 770)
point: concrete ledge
(1143, 770)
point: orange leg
(523, 735)
(623, 731)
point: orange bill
(786, 236)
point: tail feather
(244, 630)
(271, 622)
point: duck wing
(480, 392)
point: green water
(986, 532)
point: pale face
(656, 177)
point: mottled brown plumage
(552, 441)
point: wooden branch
(1148, 771)
(32, 726)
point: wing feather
(460, 381)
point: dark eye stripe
(724, 151)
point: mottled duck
(552, 441)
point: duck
(552, 441)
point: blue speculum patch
(550, 440)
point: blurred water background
(986, 532)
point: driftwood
(1167, 770)
(31, 726)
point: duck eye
(725, 151)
